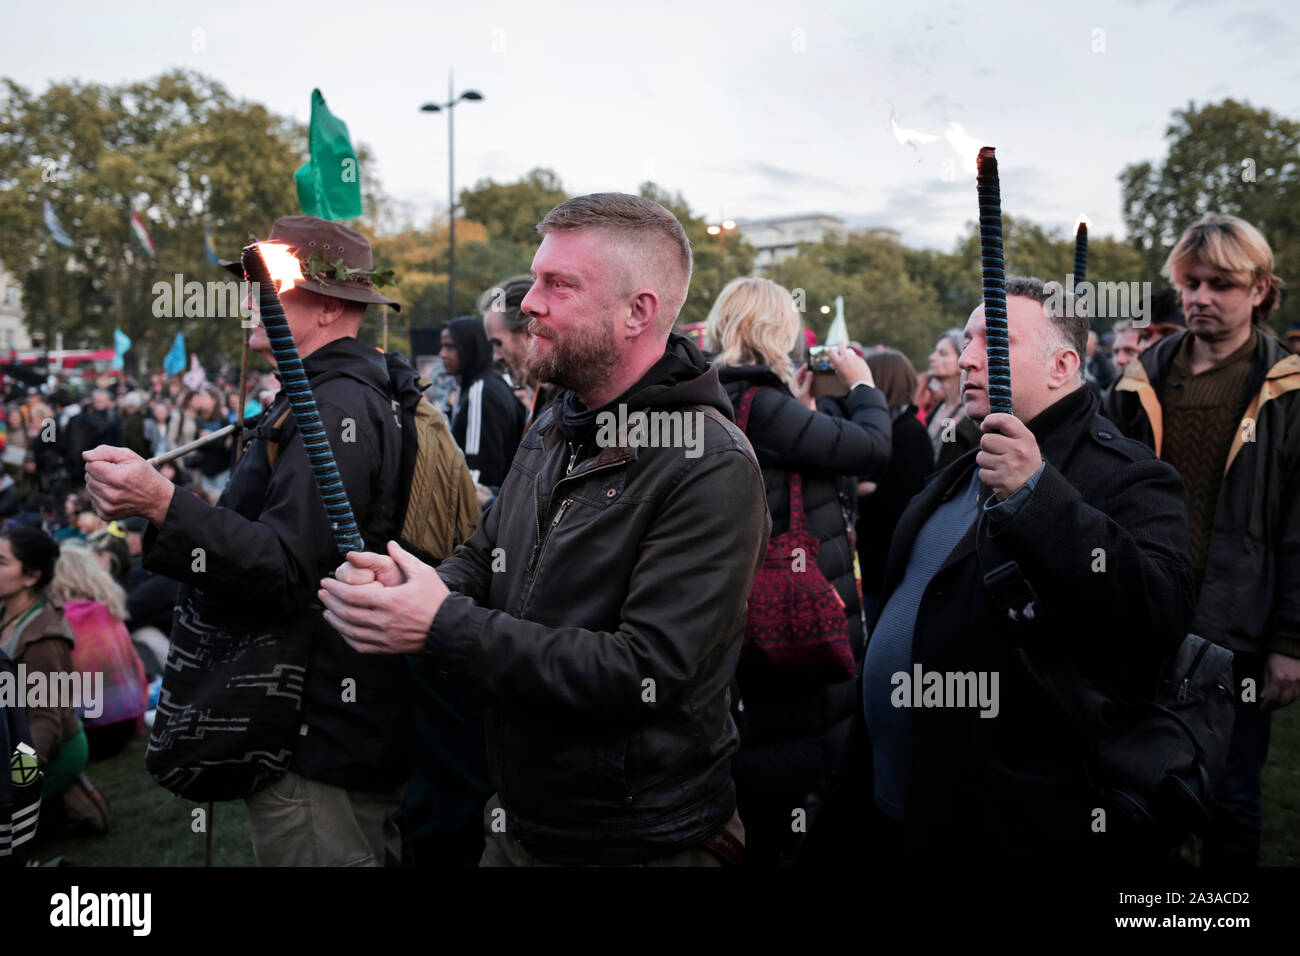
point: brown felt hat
(306, 235)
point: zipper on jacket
(1187, 678)
(540, 549)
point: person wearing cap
(268, 541)
(1221, 403)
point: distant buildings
(13, 333)
(778, 239)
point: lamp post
(452, 100)
(720, 230)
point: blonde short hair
(754, 322)
(78, 576)
(1234, 247)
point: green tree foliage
(180, 151)
(511, 211)
(1227, 157)
(883, 303)
(1032, 250)
(718, 259)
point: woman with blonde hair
(94, 606)
(794, 729)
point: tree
(883, 304)
(717, 259)
(181, 152)
(511, 211)
(1227, 157)
(1029, 250)
(177, 149)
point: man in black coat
(488, 420)
(1056, 538)
(264, 547)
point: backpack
(1154, 764)
(796, 621)
(442, 508)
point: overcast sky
(748, 108)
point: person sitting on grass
(34, 633)
(94, 606)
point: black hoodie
(604, 646)
(488, 420)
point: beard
(579, 361)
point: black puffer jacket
(605, 645)
(792, 734)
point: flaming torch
(996, 336)
(262, 261)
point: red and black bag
(796, 621)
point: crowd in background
(863, 454)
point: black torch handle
(1080, 258)
(347, 537)
(996, 336)
(1081, 253)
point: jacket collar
(350, 357)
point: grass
(153, 828)
(150, 825)
(1282, 791)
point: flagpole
(243, 391)
(49, 311)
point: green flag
(329, 184)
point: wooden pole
(192, 446)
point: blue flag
(56, 229)
(120, 345)
(174, 363)
(208, 250)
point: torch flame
(1083, 220)
(910, 137)
(966, 146)
(282, 265)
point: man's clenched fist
(123, 485)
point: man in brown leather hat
(322, 793)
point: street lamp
(721, 230)
(452, 100)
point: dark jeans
(1238, 819)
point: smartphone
(819, 358)
(825, 381)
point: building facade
(13, 331)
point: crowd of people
(634, 655)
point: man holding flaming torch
(251, 563)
